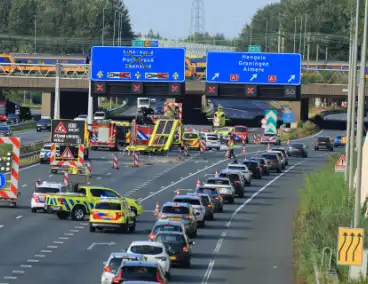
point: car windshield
(167, 238)
(45, 189)
(270, 156)
(212, 137)
(205, 200)
(225, 129)
(218, 181)
(146, 249)
(236, 168)
(46, 147)
(168, 228)
(323, 139)
(211, 191)
(99, 114)
(139, 273)
(13, 115)
(338, 137)
(82, 116)
(4, 128)
(232, 177)
(191, 135)
(250, 163)
(175, 210)
(144, 101)
(115, 262)
(188, 200)
(299, 146)
(108, 206)
(240, 129)
(44, 121)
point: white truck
(143, 103)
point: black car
(139, 271)
(43, 124)
(276, 164)
(255, 167)
(323, 142)
(13, 118)
(177, 245)
(5, 130)
(284, 153)
(236, 180)
(265, 164)
(298, 149)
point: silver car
(197, 205)
(214, 194)
(182, 212)
(281, 156)
(284, 153)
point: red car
(240, 132)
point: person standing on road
(232, 147)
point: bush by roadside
(325, 205)
(304, 129)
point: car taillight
(237, 181)
(60, 201)
(162, 215)
(209, 206)
(152, 236)
(185, 249)
(188, 217)
(107, 269)
(118, 215)
(158, 278)
(265, 165)
(217, 198)
(95, 215)
(118, 278)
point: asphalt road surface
(339, 117)
(250, 242)
(31, 136)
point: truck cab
(143, 103)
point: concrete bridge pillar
(318, 102)
(300, 109)
(47, 104)
(204, 101)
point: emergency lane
(28, 137)
(74, 263)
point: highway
(339, 117)
(31, 136)
(251, 241)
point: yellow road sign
(343, 140)
(350, 246)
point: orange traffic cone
(198, 183)
(178, 192)
(157, 209)
(217, 173)
(268, 146)
(244, 150)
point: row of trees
(62, 26)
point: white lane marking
(10, 277)
(84, 224)
(40, 255)
(1, 226)
(98, 177)
(58, 242)
(208, 272)
(18, 271)
(52, 247)
(63, 238)
(78, 227)
(75, 231)
(24, 185)
(228, 224)
(218, 245)
(189, 176)
(18, 217)
(109, 174)
(25, 265)
(46, 251)
(32, 260)
(68, 234)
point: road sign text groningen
(139, 64)
(254, 68)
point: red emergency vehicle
(240, 133)
(107, 134)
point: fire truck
(108, 134)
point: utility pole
(279, 37)
(294, 35)
(308, 50)
(35, 36)
(300, 34)
(266, 36)
(305, 34)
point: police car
(43, 188)
(45, 153)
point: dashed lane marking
(58, 242)
(1, 226)
(68, 234)
(75, 231)
(52, 247)
(18, 217)
(46, 251)
(25, 265)
(63, 238)
(24, 185)
(10, 277)
(40, 255)
(18, 271)
(32, 260)
(78, 227)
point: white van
(143, 103)
(212, 140)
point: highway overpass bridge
(74, 86)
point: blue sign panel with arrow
(138, 64)
(288, 117)
(254, 68)
(2, 180)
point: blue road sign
(138, 64)
(254, 68)
(2, 180)
(288, 117)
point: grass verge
(325, 205)
(304, 129)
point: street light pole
(353, 99)
(103, 26)
(113, 38)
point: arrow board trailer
(106, 134)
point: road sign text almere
(138, 64)
(253, 68)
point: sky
(171, 18)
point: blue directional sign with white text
(2, 180)
(254, 68)
(288, 117)
(138, 64)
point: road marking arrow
(292, 77)
(106, 244)
(215, 76)
(254, 76)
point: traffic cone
(268, 147)
(198, 183)
(157, 209)
(217, 173)
(180, 157)
(288, 142)
(115, 164)
(178, 192)
(136, 159)
(244, 150)
(89, 167)
(38, 183)
(66, 179)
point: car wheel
(91, 228)
(231, 200)
(211, 217)
(78, 213)
(279, 170)
(221, 209)
(249, 182)
(33, 210)
(187, 264)
(201, 224)
(194, 235)
(132, 227)
(315, 149)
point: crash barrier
(257, 139)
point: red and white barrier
(136, 159)
(115, 163)
(203, 146)
(66, 179)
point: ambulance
(108, 134)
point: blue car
(338, 142)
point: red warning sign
(67, 154)
(60, 129)
(234, 77)
(341, 164)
